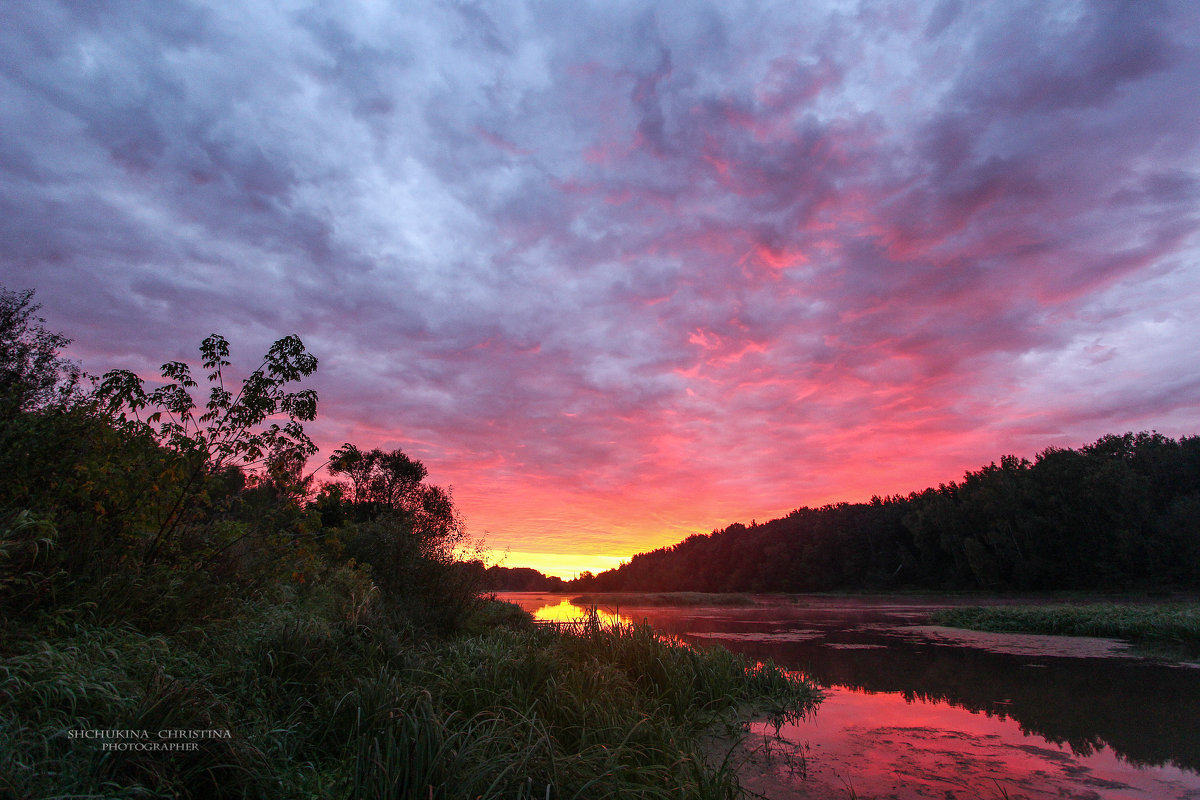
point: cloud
(619, 272)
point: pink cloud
(624, 274)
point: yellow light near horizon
(561, 565)
(568, 612)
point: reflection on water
(938, 711)
(883, 745)
(565, 611)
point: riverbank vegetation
(184, 614)
(307, 696)
(1120, 514)
(1175, 626)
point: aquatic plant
(1172, 624)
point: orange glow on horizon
(560, 565)
(563, 528)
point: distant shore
(664, 599)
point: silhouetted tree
(260, 425)
(32, 373)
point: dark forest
(1120, 514)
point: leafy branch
(260, 425)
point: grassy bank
(320, 699)
(1170, 625)
(185, 613)
(663, 599)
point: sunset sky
(620, 272)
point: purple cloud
(621, 273)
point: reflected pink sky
(881, 745)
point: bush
(415, 572)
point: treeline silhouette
(512, 579)
(1122, 513)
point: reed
(322, 703)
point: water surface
(918, 711)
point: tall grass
(326, 700)
(1171, 624)
(115, 679)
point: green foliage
(380, 480)
(321, 703)
(491, 614)
(412, 561)
(88, 496)
(126, 519)
(79, 496)
(241, 430)
(233, 429)
(1176, 624)
(414, 751)
(115, 679)
(408, 533)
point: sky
(620, 272)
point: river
(914, 711)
